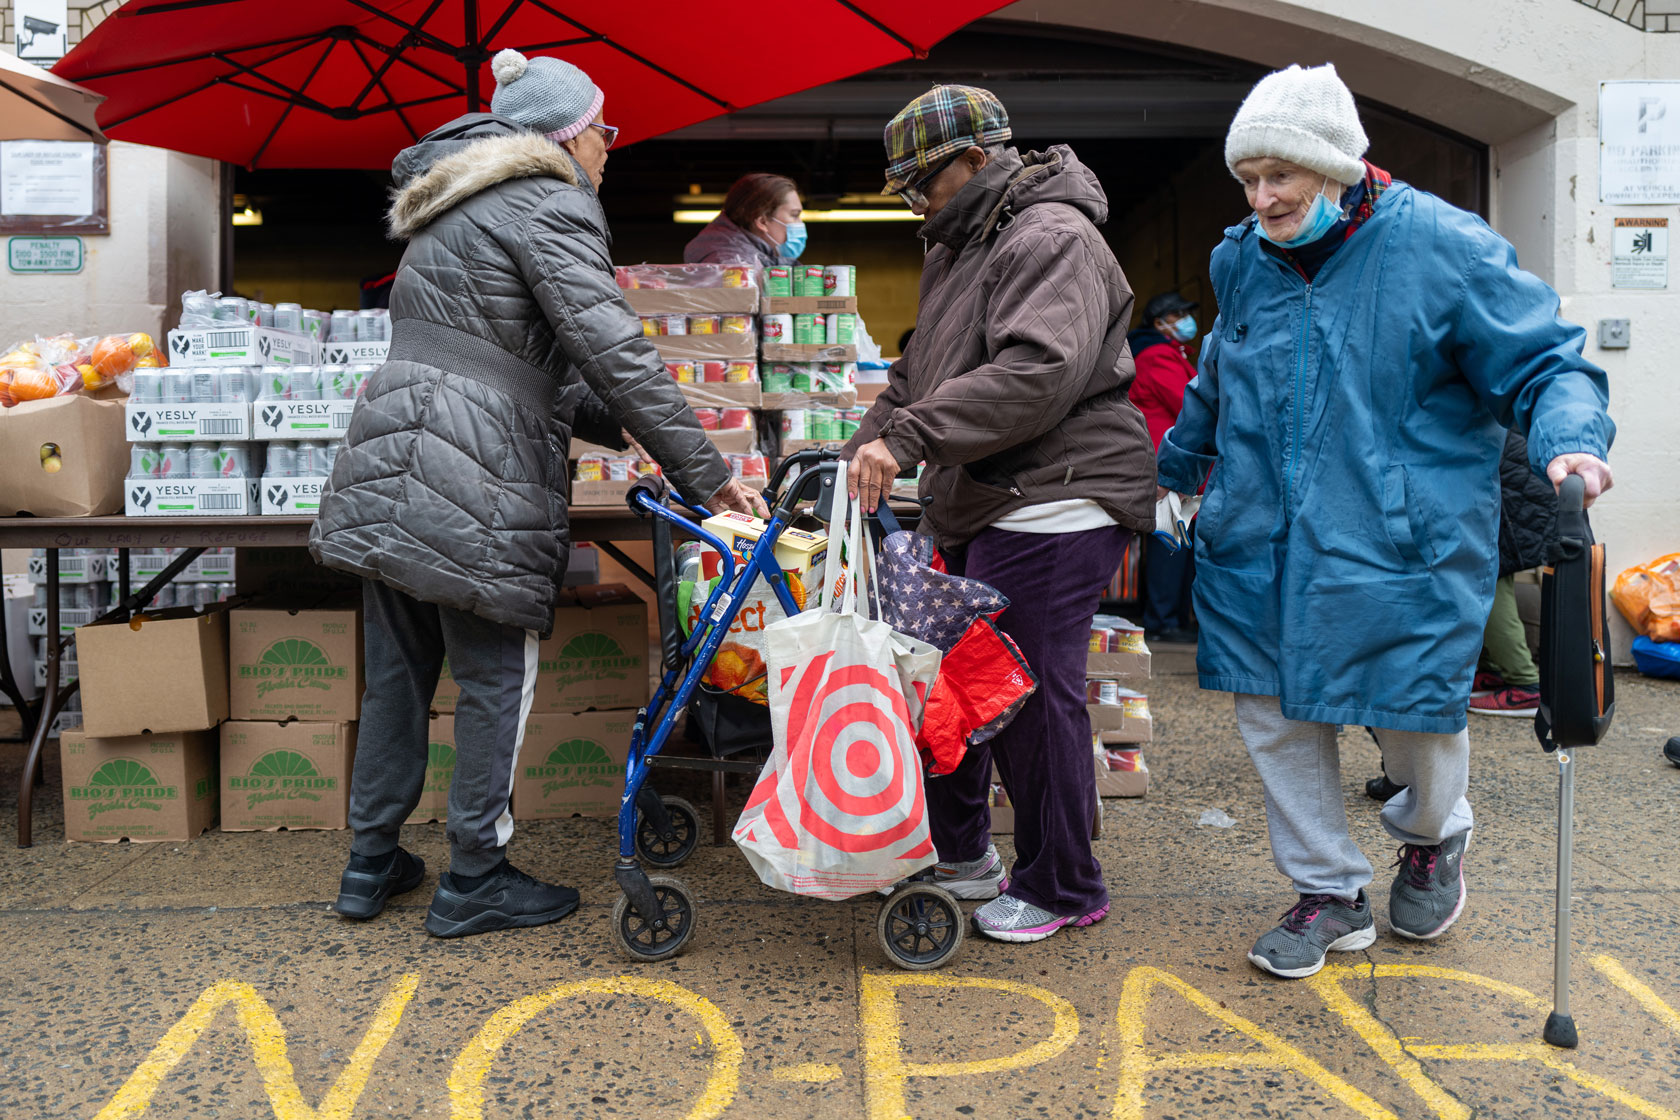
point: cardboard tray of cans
(1122, 716)
(191, 497)
(692, 301)
(786, 352)
(67, 671)
(71, 569)
(704, 347)
(722, 394)
(293, 496)
(234, 345)
(354, 353)
(182, 422)
(807, 305)
(783, 402)
(306, 420)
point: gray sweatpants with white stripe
(405, 642)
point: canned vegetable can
(842, 329)
(778, 281)
(736, 324)
(705, 324)
(809, 281)
(778, 330)
(840, 280)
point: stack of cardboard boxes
(592, 677)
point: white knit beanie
(547, 95)
(1304, 116)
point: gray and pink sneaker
(1008, 918)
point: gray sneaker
(1428, 893)
(976, 880)
(1314, 926)
(1008, 918)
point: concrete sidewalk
(120, 961)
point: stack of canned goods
(205, 309)
(835, 328)
(613, 468)
(195, 385)
(190, 460)
(680, 276)
(810, 377)
(304, 458)
(372, 324)
(654, 325)
(313, 383)
(810, 281)
(725, 419)
(825, 425)
(715, 371)
(752, 465)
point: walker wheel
(664, 935)
(920, 927)
(669, 851)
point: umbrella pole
(1560, 1024)
(470, 12)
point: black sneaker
(1382, 789)
(1314, 926)
(369, 881)
(1671, 750)
(509, 899)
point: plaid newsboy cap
(940, 123)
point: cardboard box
(72, 568)
(597, 656)
(1128, 665)
(796, 550)
(705, 347)
(188, 423)
(806, 352)
(354, 353)
(192, 497)
(440, 770)
(572, 765)
(692, 301)
(722, 394)
(164, 672)
(808, 305)
(286, 775)
(317, 420)
(85, 477)
(295, 496)
(1125, 722)
(233, 345)
(141, 788)
(1121, 772)
(295, 660)
(840, 398)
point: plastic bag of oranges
(1648, 595)
(51, 367)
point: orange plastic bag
(1648, 595)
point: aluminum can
(735, 324)
(315, 324)
(620, 469)
(164, 599)
(362, 376)
(282, 460)
(737, 276)
(226, 591)
(201, 460)
(710, 418)
(40, 597)
(837, 377)
(232, 309)
(338, 383)
(231, 385)
(304, 383)
(203, 594)
(288, 317)
(144, 461)
(652, 326)
(147, 387)
(311, 457)
(590, 468)
(673, 324)
(682, 371)
(704, 324)
(233, 460)
(716, 372)
(198, 306)
(173, 461)
(264, 316)
(778, 330)
(177, 386)
(373, 325)
(778, 378)
(206, 388)
(735, 420)
(840, 280)
(342, 327)
(741, 372)
(778, 281)
(796, 424)
(329, 457)
(841, 329)
(799, 378)
(808, 281)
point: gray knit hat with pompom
(547, 95)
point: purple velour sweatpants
(1054, 582)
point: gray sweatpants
(1300, 768)
(405, 641)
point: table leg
(49, 712)
(720, 826)
(9, 684)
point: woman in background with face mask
(760, 225)
(1164, 368)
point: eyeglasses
(914, 194)
(608, 133)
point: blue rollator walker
(920, 925)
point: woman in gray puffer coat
(449, 498)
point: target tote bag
(838, 810)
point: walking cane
(1577, 700)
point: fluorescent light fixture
(845, 214)
(247, 217)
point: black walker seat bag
(1577, 687)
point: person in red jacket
(1164, 368)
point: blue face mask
(795, 243)
(1184, 330)
(1321, 217)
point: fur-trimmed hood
(465, 157)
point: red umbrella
(347, 83)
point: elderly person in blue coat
(1373, 343)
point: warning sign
(1639, 253)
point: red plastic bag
(982, 684)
